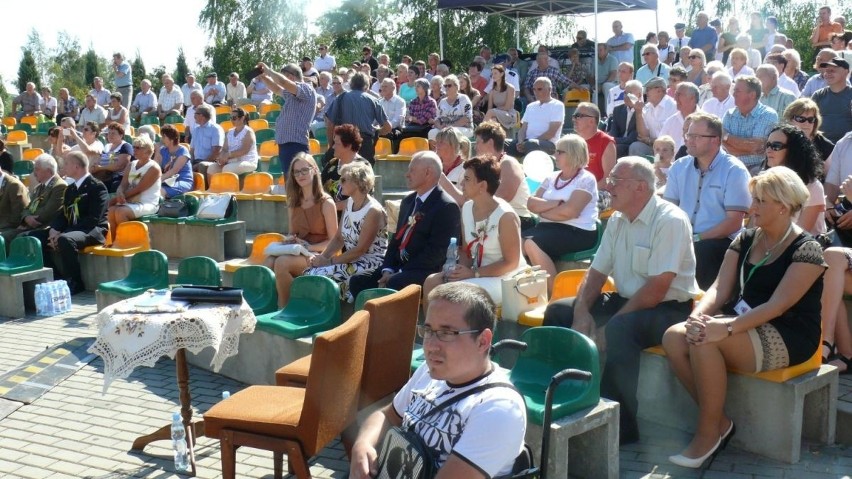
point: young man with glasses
(646, 249)
(711, 187)
(488, 427)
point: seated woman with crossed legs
(761, 313)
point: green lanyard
(759, 263)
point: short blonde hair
(666, 140)
(739, 52)
(782, 185)
(360, 173)
(576, 150)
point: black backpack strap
(469, 392)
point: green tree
(4, 96)
(92, 66)
(138, 70)
(156, 82)
(182, 68)
(359, 22)
(28, 72)
(40, 54)
(67, 66)
(273, 31)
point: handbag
(523, 292)
(404, 454)
(208, 294)
(215, 207)
(173, 208)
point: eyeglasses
(695, 136)
(235, 117)
(804, 119)
(443, 335)
(612, 180)
(775, 145)
(647, 54)
(335, 83)
(448, 85)
(581, 115)
(694, 57)
(305, 172)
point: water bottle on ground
(40, 299)
(452, 258)
(66, 297)
(179, 443)
(52, 297)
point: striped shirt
(296, 115)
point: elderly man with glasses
(646, 249)
(653, 67)
(542, 122)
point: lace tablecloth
(130, 335)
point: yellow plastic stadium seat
(383, 148)
(131, 238)
(30, 120)
(224, 182)
(565, 285)
(254, 185)
(156, 128)
(267, 150)
(267, 107)
(258, 124)
(408, 147)
(574, 97)
(314, 147)
(10, 121)
(248, 108)
(32, 153)
(260, 243)
(221, 109)
(198, 183)
(16, 137)
(226, 125)
(180, 127)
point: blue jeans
(286, 152)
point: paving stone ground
(76, 431)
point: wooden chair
(298, 422)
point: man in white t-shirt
(487, 428)
(542, 122)
(324, 62)
(722, 100)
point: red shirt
(598, 144)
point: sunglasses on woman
(775, 145)
(804, 119)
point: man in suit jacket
(45, 199)
(13, 200)
(428, 218)
(81, 222)
(622, 125)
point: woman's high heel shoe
(695, 463)
(728, 435)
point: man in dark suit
(45, 199)
(622, 124)
(428, 218)
(81, 222)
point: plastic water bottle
(226, 394)
(179, 443)
(40, 299)
(50, 307)
(66, 297)
(452, 258)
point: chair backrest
(383, 147)
(272, 116)
(2, 248)
(321, 134)
(550, 349)
(263, 135)
(174, 120)
(248, 108)
(258, 284)
(314, 146)
(223, 109)
(258, 124)
(220, 117)
(260, 243)
(268, 148)
(257, 182)
(410, 146)
(153, 265)
(132, 234)
(198, 183)
(314, 288)
(393, 320)
(16, 136)
(226, 125)
(32, 120)
(199, 271)
(26, 251)
(269, 107)
(369, 294)
(25, 127)
(224, 182)
(275, 165)
(22, 168)
(156, 127)
(31, 153)
(151, 119)
(180, 127)
(10, 121)
(45, 126)
(567, 284)
(331, 395)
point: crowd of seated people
(721, 155)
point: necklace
(765, 245)
(568, 182)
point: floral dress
(350, 228)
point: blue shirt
(645, 74)
(707, 197)
(703, 36)
(757, 124)
(127, 79)
(214, 93)
(204, 138)
(144, 101)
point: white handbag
(524, 291)
(214, 207)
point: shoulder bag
(215, 207)
(523, 292)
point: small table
(138, 331)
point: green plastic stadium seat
(258, 284)
(199, 271)
(314, 306)
(148, 270)
(24, 255)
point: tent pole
(517, 32)
(597, 40)
(440, 34)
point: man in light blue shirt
(711, 187)
(747, 126)
(653, 67)
(123, 78)
(145, 101)
(214, 90)
(207, 139)
(188, 87)
(621, 44)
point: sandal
(832, 352)
(846, 361)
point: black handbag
(404, 454)
(173, 208)
(208, 294)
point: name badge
(742, 307)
